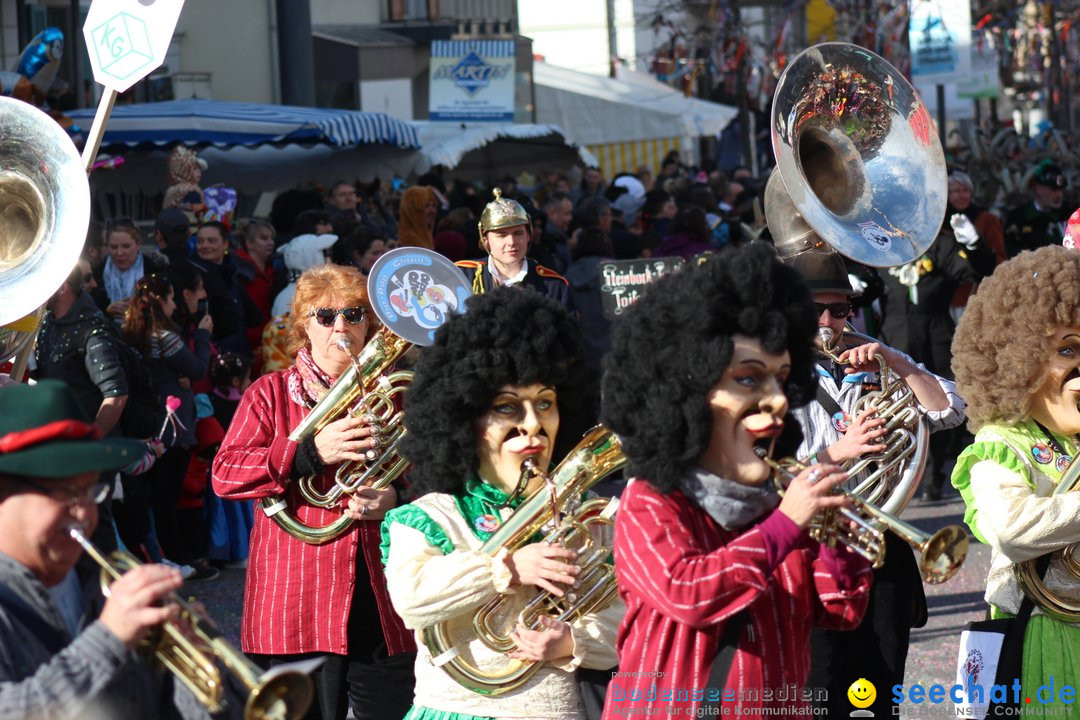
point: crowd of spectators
(205, 303)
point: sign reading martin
(939, 35)
(472, 81)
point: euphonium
(364, 389)
(190, 650)
(862, 529)
(596, 456)
(887, 478)
(1027, 575)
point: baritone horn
(364, 389)
(1051, 602)
(578, 525)
(862, 529)
(888, 477)
(190, 650)
(412, 292)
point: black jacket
(917, 320)
(539, 278)
(74, 349)
(1028, 228)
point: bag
(144, 411)
(992, 653)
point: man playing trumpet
(62, 653)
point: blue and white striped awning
(227, 124)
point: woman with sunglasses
(835, 433)
(329, 600)
(125, 263)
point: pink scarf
(309, 383)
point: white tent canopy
(601, 110)
(488, 150)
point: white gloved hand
(964, 231)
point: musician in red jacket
(329, 600)
(721, 581)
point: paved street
(932, 657)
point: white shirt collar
(497, 276)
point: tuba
(862, 530)
(413, 291)
(860, 173)
(44, 213)
(1065, 609)
(577, 525)
(191, 650)
(364, 389)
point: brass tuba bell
(44, 213)
(858, 159)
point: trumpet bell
(943, 554)
(859, 156)
(44, 208)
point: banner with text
(472, 80)
(622, 281)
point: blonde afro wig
(1004, 335)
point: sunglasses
(837, 310)
(327, 316)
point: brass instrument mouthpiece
(826, 337)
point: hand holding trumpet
(133, 607)
(811, 491)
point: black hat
(1050, 175)
(171, 218)
(44, 433)
(823, 272)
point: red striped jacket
(682, 577)
(296, 595)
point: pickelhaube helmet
(502, 213)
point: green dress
(1006, 478)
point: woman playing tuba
(501, 385)
(1016, 355)
(327, 599)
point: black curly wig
(507, 336)
(673, 346)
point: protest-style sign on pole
(126, 40)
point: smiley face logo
(862, 693)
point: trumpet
(189, 648)
(364, 389)
(862, 529)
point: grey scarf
(731, 504)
